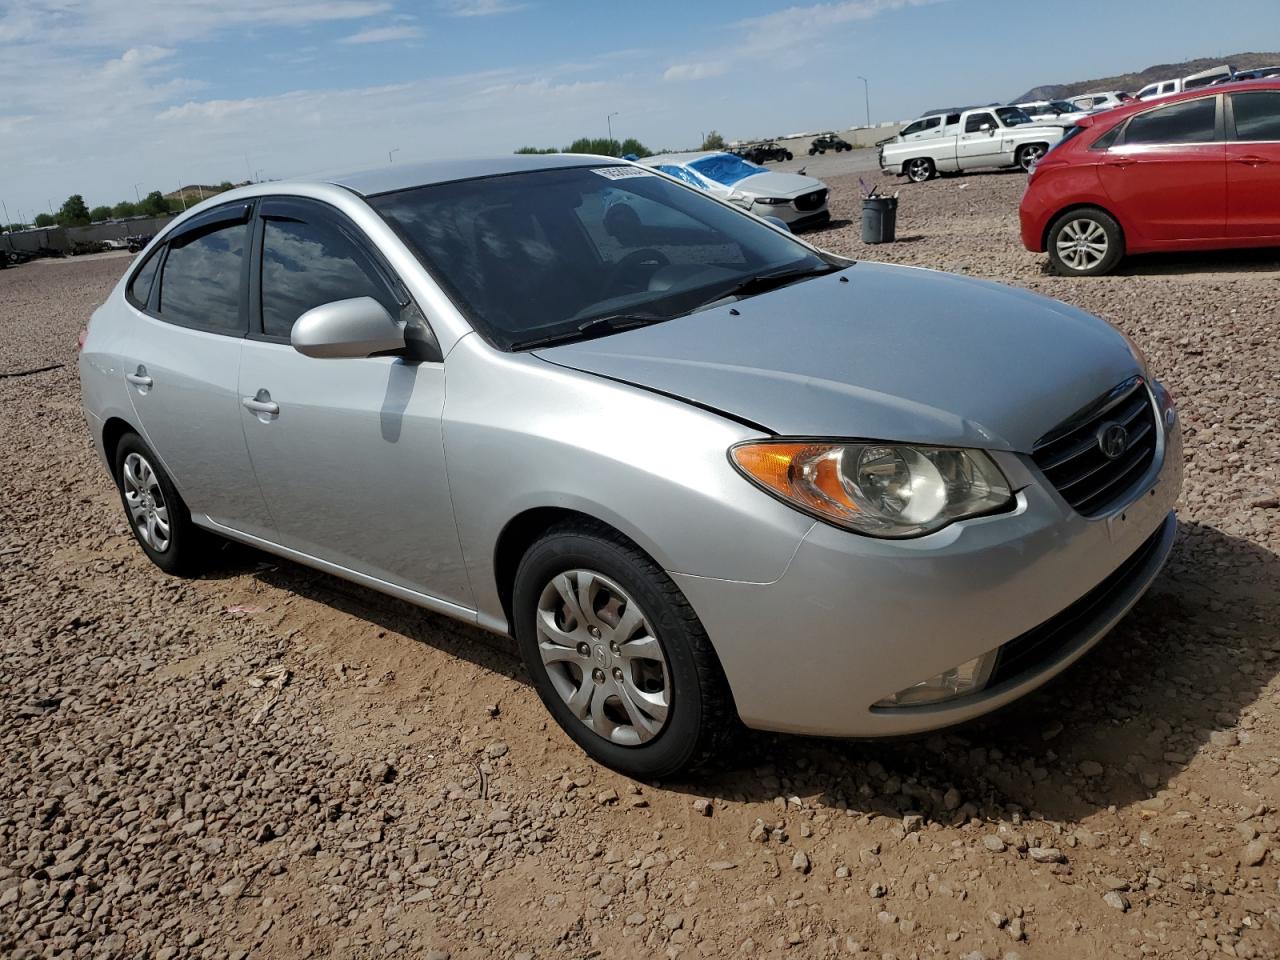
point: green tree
(538, 150)
(125, 208)
(74, 213)
(15, 227)
(154, 205)
(45, 220)
(713, 141)
(225, 185)
(99, 213)
(633, 146)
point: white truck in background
(1204, 78)
(973, 138)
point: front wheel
(1085, 243)
(920, 169)
(789, 155)
(617, 655)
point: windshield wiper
(595, 327)
(764, 282)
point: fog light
(970, 677)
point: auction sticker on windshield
(621, 173)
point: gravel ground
(274, 763)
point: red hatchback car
(1194, 171)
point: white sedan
(797, 200)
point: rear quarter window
(139, 290)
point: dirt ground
(270, 762)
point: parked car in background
(1204, 78)
(800, 201)
(828, 141)
(1198, 171)
(983, 137)
(1050, 109)
(644, 468)
(927, 127)
(1260, 73)
(762, 152)
(1101, 101)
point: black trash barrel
(879, 219)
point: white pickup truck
(979, 137)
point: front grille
(811, 201)
(1042, 643)
(1072, 458)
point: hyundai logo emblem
(1113, 440)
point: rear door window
(307, 264)
(201, 282)
(1192, 121)
(1257, 115)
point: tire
(1085, 243)
(919, 170)
(788, 155)
(672, 662)
(1029, 155)
(812, 151)
(180, 550)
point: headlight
(880, 489)
(771, 201)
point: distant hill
(1133, 82)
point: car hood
(877, 352)
(778, 185)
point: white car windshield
(570, 252)
(725, 168)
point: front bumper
(854, 619)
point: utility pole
(609, 120)
(390, 152)
(866, 93)
(183, 195)
(136, 194)
(6, 214)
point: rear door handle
(139, 378)
(261, 403)
(1251, 160)
(1121, 162)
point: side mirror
(778, 222)
(358, 327)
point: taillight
(84, 334)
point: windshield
(1062, 106)
(535, 255)
(725, 168)
(1012, 116)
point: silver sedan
(700, 470)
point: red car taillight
(84, 334)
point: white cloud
(696, 71)
(479, 8)
(384, 34)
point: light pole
(136, 194)
(6, 214)
(390, 152)
(609, 120)
(866, 93)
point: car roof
(402, 176)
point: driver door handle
(262, 403)
(1251, 160)
(1121, 162)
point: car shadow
(1194, 653)
(1191, 656)
(1259, 260)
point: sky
(102, 97)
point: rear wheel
(617, 654)
(920, 169)
(789, 155)
(1085, 243)
(1029, 155)
(157, 516)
